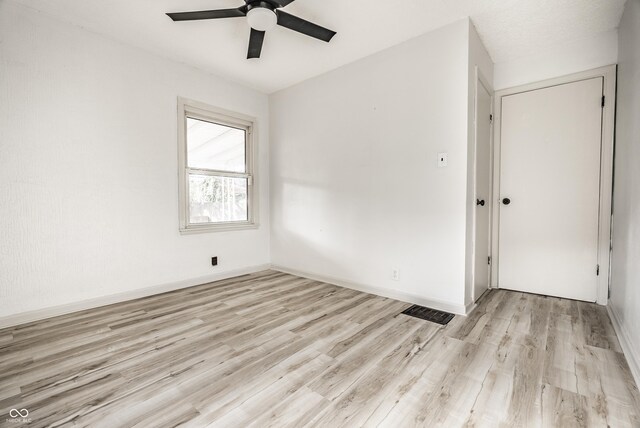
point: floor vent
(429, 314)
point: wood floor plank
(295, 411)
(355, 406)
(274, 350)
(242, 405)
(354, 363)
(564, 408)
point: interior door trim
(608, 73)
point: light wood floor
(271, 349)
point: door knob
(506, 201)
(480, 202)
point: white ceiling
(510, 29)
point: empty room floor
(272, 349)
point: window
(217, 190)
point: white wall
(579, 55)
(355, 190)
(625, 262)
(88, 167)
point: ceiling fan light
(261, 19)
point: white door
(549, 190)
(482, 191)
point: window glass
(214, 199)
(215, 147)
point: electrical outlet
(214, 261)
(395, 274)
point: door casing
(608, 73)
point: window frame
(200, 111)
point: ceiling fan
(261, 16)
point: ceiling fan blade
(208, 14)
(305, 27)
(256, 39)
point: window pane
(213, 146)
(217, 199)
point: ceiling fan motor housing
(264, 4)
(261, 15)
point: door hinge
(489, 260)
(602, 101)
(597, 270)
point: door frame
(481, 80)
(608, 73)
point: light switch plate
(442, 160)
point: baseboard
(625, 342)
(470, 308)
(44, 313)
(392, 294)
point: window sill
(225, 227)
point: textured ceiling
(509, 29)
